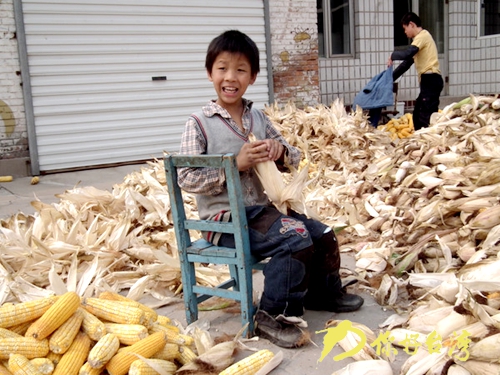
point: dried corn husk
(366, 367)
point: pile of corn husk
(420, 214)
(94, 240)
(423, 217)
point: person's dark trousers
(427, 102)
(289, 242)
(374, 115)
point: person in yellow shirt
(422, 52)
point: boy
(304, 265)
(423, 52)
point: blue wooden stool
(239, 260)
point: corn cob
(114, 311)
(103, 350)
(62, 337)
(150, 314)
(169, 352)
(74, 358)
(86, 369)
(12, 315)
(55, 358)
(186, 355)
(20, 365)
(4, 370)
(172, 336)
(4, 333)
(121, 361)
(163, 320)
(127, 334)
(249, 365)
(27, 346)
(55, 316)
(139, 367)
(92, 326)
(44, 365)
(6, 178)
(21, 328)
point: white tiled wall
(473, 63)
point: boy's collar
(212, 108)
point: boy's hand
(389, 61)
(258, 152)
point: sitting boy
(303, 270)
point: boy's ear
(209, 75)
(252, 80)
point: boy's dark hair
(233, 41)
(411, 17)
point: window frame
(481, 24)
(326, 8)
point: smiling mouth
(230, 90)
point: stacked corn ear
(401, 127)
(56, 340)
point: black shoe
(344, 303)
(279, 332)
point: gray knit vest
(221, 138)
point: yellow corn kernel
(44, 365)
(86, 369)
(186, 355)
(55, 316)
(150, 314)
(12, 315)
(121, 361)
(163, 320)
(172, 336)
(4, 370)
(27, 346)
(74, 358)
(171, 327)
(128, 334)
(4, 333)
(62, 337)
(103, 350)
(114, 311)
(20, 365)
(139, 367)
(55, 358)
(21, 328)
(249, 365)
(169, 352)
(92, 326)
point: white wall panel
(91, 67)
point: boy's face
(410, 30)
(231, 75)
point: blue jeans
(289, 241)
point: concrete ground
(16, 196)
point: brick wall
(294, 46)
(13, 135)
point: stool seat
(239, 260)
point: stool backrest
(238, 225)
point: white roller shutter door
(97, 69)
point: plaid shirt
(211, 181)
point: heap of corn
(109, 334)
(400, 127)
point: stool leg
(190, 299)
(246, 292)
(233, 271)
